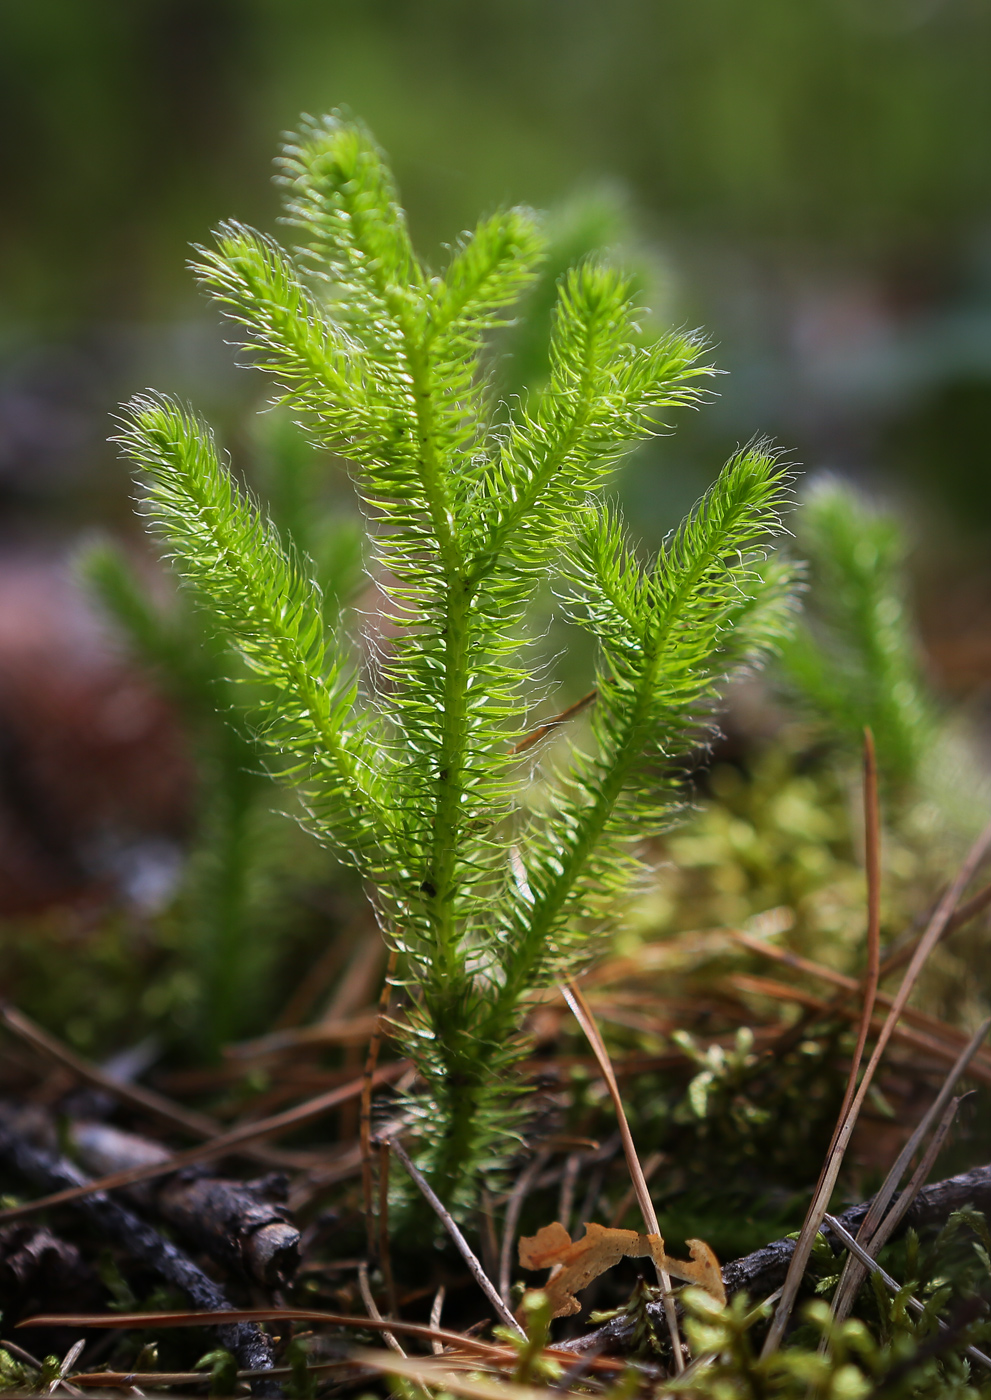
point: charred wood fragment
(250, 1345)
(761, 1272)
(41, 1273)
(243, 1225)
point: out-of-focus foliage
(230, 919)
(839, 120)
(856, 661)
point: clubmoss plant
(855, 659)
(404, 752)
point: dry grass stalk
(373, 1312)
(586, 1020)
(860, 1254)
(385, 1254)
(877, 1228)
(820, 1202)
(450, 1225)
(367, 1085)
(436, 1309)
(514, 1206)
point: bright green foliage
(856, 660)
(403, 755)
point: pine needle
(821, 1199)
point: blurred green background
(808, 182)
(812, 178)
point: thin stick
(870, 1231)
(872, 861)
(542, 730)
(848, 1242)
(219, 1147)
(962, 915)
(385, 1255)
(367, 1084)
(787, 958)
(514, 1207)
(436, 1309)
(586, 1020)
(196, 1124)
(820, 1201)
(481, 1278)
(373, 1312)
(787, 991)
(891, 1182)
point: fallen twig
(219, 1147)
(242, 1224)
(246, 1340)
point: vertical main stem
(449, 1003)
(439, 885)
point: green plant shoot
(402, 747)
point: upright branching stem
(483, 898)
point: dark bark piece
(250, 1345)
(761, 1272)
(233, 1224)
(41, 1271)
(241, 1224)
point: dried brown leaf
(575, 1263)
